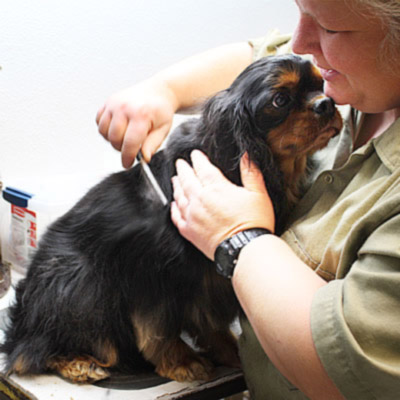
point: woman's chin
(339, 96)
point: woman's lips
(328, 74)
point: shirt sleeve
(273, 43)
(355, 321)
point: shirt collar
(387, 146)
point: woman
(323, 299)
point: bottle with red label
(21, 240)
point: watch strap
(227, 253)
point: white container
(28, 208)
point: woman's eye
(330, 31)
(281, 100)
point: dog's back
(115, 261)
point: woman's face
(345, 46)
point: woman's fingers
(133, 136)
(116, 130)
(208, 208)
(188, 179)
(104, 120)
(180, 198)
(252, 177)
(206, 172)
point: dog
(113, 285)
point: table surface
(50, 387)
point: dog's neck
(293, 169)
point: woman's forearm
(275, 289)
(201, 76)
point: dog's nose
(324, 107)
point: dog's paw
(193, 369)
(80, 369)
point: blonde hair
(388, 11)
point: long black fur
(116, 252)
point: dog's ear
(228, 129)
(232, 120)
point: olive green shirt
(346, 228)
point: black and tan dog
(113, 282)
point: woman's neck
(374, 125)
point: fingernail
(173, 180)
(173, 210)
(179, 164)
(196, 153)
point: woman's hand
(140, 116)
(208, 208)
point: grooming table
(226, 383)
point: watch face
(225, 257)
(220, 269)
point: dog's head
(283, 96)
(276, 106)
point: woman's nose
(305, 38)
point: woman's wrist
(161, 84)
(227, 252)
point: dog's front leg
(220, 347)
(79, 369)
(173, 358)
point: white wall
(60, 60)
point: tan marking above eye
(288, 79)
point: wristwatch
(227, 252)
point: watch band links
(227, 253)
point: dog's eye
(281, 100)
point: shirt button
(328, 178)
